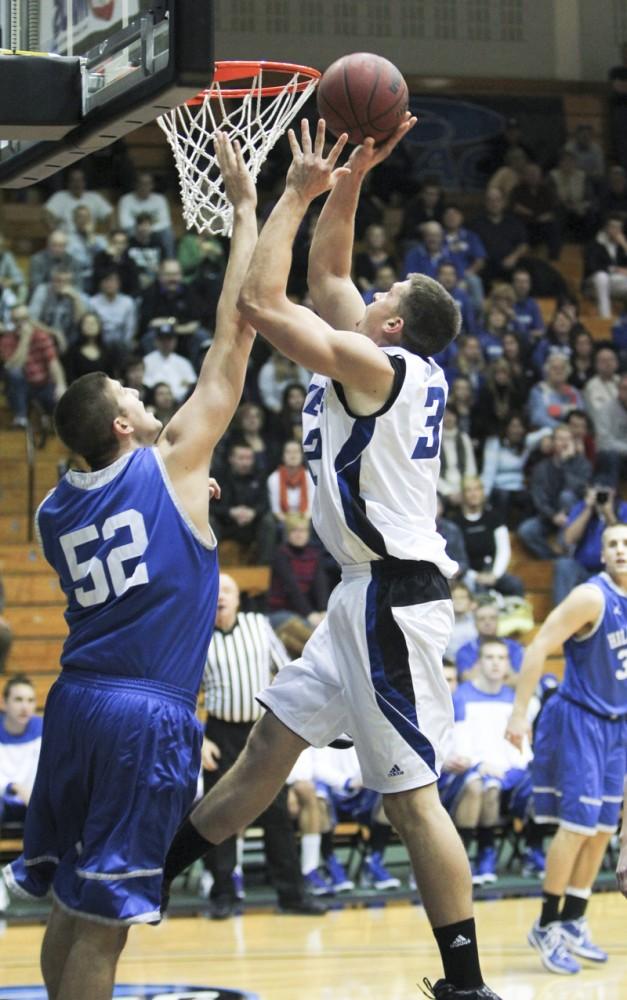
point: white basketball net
(257, 122)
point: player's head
(228, 602)
(493, 663)
(614, 551)
(418, 313)
(100, 419)
(18, 702)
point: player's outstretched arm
(189, 439)
(295, 331)
(333, 293)
(578, 611)
(621, 867)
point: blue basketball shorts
(117, 775)
(514, 785)
(358, 808)
(578, 768)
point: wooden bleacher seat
(599, 326)
(547, 308)
(252, 580)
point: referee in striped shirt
(242, 658)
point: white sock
(579, 893)
(309, 852)
(239, 852)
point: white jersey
(376, 476)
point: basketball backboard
(126, 62)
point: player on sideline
(371, 427)
(131, 542)
(579, 749)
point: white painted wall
(514, 38)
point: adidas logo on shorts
(460, 941)
(395, 771)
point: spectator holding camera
(587, 521)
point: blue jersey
(596, 666)
(141, 584)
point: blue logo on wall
(177, 991)
(451, 139)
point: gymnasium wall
(526, 39)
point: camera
(602, 497)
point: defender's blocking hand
(311, 172)
(238, 184)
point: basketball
(364, 95)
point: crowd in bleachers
(534, 435)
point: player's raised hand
(367, 155)
(517, 729)
(311, 172)
(238, 184)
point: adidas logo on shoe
(460, 941)
(395, 771)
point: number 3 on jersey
(428, 447)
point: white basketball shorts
(373, 669)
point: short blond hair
(295, 520)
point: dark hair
(110, 272)
(83, 419)
(91, 312)
(288, 389)
(604, 345)
(14, 681)
(143, 217)
(514, 415)
(431, 316)
(239, 442)
(577, 413)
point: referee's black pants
(281, 847)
